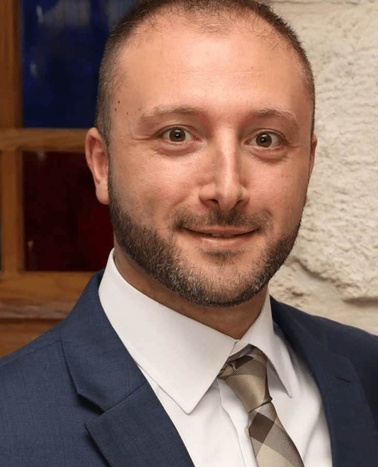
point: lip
(221, 238)
(221, 233)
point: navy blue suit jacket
(75, 397)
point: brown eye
(266, 140)
(177, 135)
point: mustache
(217, 218)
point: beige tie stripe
(247, 377)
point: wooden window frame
(23, 294)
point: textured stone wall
(333, 270)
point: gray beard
(164, 262)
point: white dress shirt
(181, 359)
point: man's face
(211, 154)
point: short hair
(149, 9)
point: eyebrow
(265, 113)
(164, 111)
(284, 115)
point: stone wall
(333, 270)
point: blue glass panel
(63, 41)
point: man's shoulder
(320, 324)
(310, 334)
(47, 347)
(40, 407)
(32, 360)
(335, 335)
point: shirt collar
(184, 368)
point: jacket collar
(354, 435)
(131, 417)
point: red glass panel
(66, 228)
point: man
(203, 150)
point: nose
(225, 187)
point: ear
(97, 157)
(314, 143)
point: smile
(218, 235)
(225, 239)
(227, 234)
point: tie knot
(247, 377)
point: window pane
(63, 41)
(66, 228)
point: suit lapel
(137, 432)
(131, 428)
(354, 436)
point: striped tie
(247, 377)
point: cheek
(284, 193)
(152, 192)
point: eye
(177, 135)
(267, 140)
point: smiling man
(206, 165)
(176, 355)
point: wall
(333, 270)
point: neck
(234, 321)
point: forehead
(213, 20)
(170, 30)
(184, 52)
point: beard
(165, 262)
